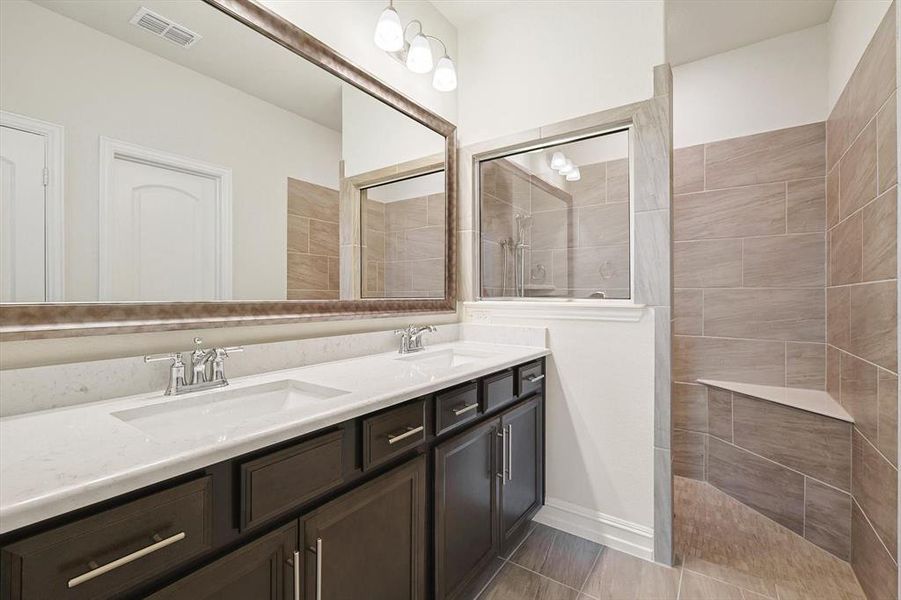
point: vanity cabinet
(267, 569)
(522, 433)
(371, 542)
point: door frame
(54, 195)
(112, 149)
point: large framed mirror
(208, 163)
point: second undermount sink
(445, 359)
(221, 414)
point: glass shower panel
(555, 221)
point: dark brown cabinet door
(523, 469)
(465, 508)
(262, 570)
(371, 542)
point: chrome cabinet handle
(318, 568)
(510, 453)
(296, 566)
(503, 474)
(411, 431)
(100, 570)
(534, 378)
(465, 409)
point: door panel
(22, 218)
(521, 488)
(371, 542)
(465, 507)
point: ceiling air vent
(162, 27)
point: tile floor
(726, 551)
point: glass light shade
(574, 175)
(566, 168)
(557, 161)
(445, 79)
(419, 56)
(389, 35)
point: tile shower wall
(861, 295)
(312, 261)
(404, 247)
(578, 237)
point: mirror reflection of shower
(517, 246)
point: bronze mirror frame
(54, 320)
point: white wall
(779, 82)
(96, 85)
(348, 27)
(541, 62)
(850, 28)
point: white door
(22, 216)
(163, 234)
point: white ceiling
(461, 12)
(696, 29)
(228, 51)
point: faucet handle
(173, 356)
(225, 352)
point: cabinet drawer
(108, 553)
(498, 390)
(287, 478)
(530, 377)
(392, 432)
(456, 406)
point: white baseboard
(616, 533)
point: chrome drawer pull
(503, 474)
(318, 568)
(510, 453)
(534, 378)
(98, 571)
(465, 409)
(411, 431)
(296, 566)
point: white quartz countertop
(55, 461)
(814, 401)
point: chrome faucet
(207, 368)
(411, 340)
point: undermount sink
(445, 359)
(218, 415)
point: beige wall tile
(334, 273)
(437, 210)
(833, 371)
(374, 245)
(421, 243)
(887, 144)
(690, 407)
(718, 358)
(769, 488)
(406, 214)
(707, 263)
(687, 311)
(879, 233)
(874, 323)
(782, 261)
(806, 205)
(827, 518)
(688, 169)
(887, 419)
(298, 234)
(838, 317)
(688, 454)
(845, 251)
(513, 185)
(833, 210)
(875, 488)
(858, 395)
(312, 294)
(601, 268)
(496, 219)
(838, 129)
(312, 201)
(618, 181)
(551, 229)
(784, 154)
(306, 272)
(719, 413)
(427, 276)
(591, 188)
(857, 180)
(812, 444)
(602, 225)
(805, 365)
(541, 199)
(772, 314)
(736, 212)
(323, 238)
(875, 570)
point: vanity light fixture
(389, 35)
(416, 55)
(574, 175)
(557, 161)
(567, 168)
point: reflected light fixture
(419, 56)
(389, 35)
(445, 79)
(574, 175)
(557, 161)
(566, 168)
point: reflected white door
(163, 234)
(22, 216)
